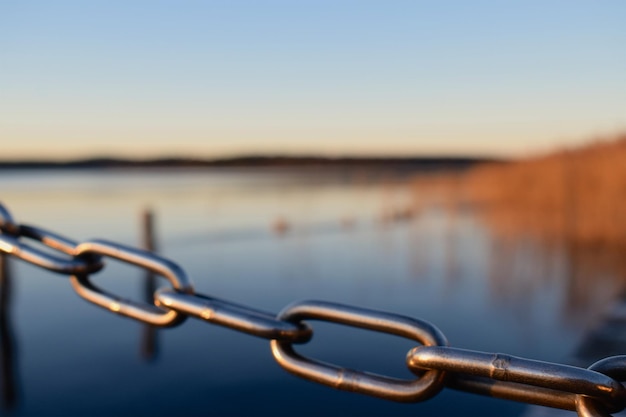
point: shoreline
(413, 163)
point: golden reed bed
(572, 203)
(576, 195)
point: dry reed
(577, 195)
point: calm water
(484, 292)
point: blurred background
(462, 163)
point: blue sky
(202, 78)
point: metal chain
(595, 391)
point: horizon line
(252, 156)
(253, 161)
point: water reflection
(149, 338)
(591, 275)
(527, 259)
(597, 274)
(486, 290)
(7, 338)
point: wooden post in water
(7, 341)
(149, 340)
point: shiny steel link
(425, 386)
(225, 313)
(614, 367)
(11, 232)
(146, 313)
(507, 368)
(10, 243)
(512, 391)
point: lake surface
(485, 292)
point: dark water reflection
(8, 359)
(149, 339)
(485, 291)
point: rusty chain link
(595, 391)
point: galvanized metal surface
(595, 391)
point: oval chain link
(146, 313)
(10, 243)
(512, 391)
(614, 367)
(563, 378)
(235, 316)
(424, 387)
(77, 264)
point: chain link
(588, 406)
(425, 386)
(149, 314)
(234, 316)
(76, 264)
(522, 372)
(593, 392)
